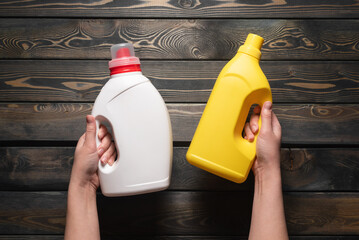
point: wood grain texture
(329, 213)
(32, 212)
(320, 169)
(317, 169)
(183, 9)
(53, 63)
(180, 213)
(35, 168)
(178, 39)
(177, 81)
(301, 124)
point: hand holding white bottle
(141, 128)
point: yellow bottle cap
(252, 45)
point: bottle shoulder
(245, 68)
(126, 79)
(117, 85)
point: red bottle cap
(123, 59)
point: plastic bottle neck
(125, 69)
(252, 46)
(247, 56)
(125, 73)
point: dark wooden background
(53, 63)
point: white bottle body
(142, 132)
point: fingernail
(268, 105)
(89, 119)
(100, 151)
(110, 162)
(255, 128)
(103, 159)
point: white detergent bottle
(135, 111)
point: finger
(277, 129)
(253, 123)
(105, 144)
(90, 137)
(81, 141)
(266, 115)
(106, 156)
(248, 133)
(112, 158)
(102, 132)
(257, 109)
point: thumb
(266, 116)
(90, 137)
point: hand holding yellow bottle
(218, 146)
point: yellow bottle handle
(248, 148)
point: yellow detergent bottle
(217, 145)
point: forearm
(81, 218)
(268, 219)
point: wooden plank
(180, 213)
(177, 81)
(182, 9)
(177, 39)
(311, 169)
(301, 124)
(323, 210)
(32, 212)
(35, 168)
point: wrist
(81, 180)
(267, 167)
(82, 186)
(268, 179)
(266, 176)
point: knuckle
(105, 143)
(113, 146)
(91, 128)
(266, 113)
(264, 132)
(108, 137)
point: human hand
(268, 140)
(268, 218)
(87, 155)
